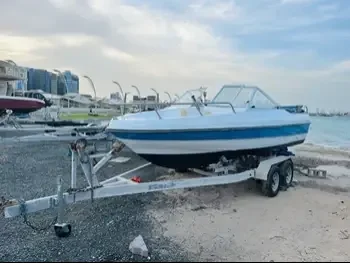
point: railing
(198, 105)
(294, 108)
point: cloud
(117, 54)
(296, 1)
(75, 40)
(268, 43)
(225, 10)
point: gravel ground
(101, 231)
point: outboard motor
(48, 103)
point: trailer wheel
(272, 185)
(287, 173)
(63, 230)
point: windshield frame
(254, 90)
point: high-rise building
(51, 82)
(30, 77)
(54, 83)
(39, 79)
(75, 84)
(61, 85)
(68, 78)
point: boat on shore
(238, 121)
(27, 102)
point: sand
(308, 222)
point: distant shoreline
(345, 114)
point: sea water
(333, 132)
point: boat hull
(202, 160)
(197, 148)
(20, 105)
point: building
(48, 82)
(30, 79)
(75, 84)
(72, 82)
(39, 79)
(54, 83)
(21, 85)
(61, 85)
(68, 79)
(116, 96)
(150, 99)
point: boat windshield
(245, 97)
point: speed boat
(238, 121)
(20, 105)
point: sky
(296, 50)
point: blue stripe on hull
(217, 134)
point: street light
(126, 94)
(124, 107)
(92, 85)
(60, 74)
(138, 94)
(157, 94)
(137, 90)
(167, 93)
(120, 88)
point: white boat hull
(181, 137)
(192, 148)
(168, 147)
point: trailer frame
(271, 170)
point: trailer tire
(63, 230)
(272, 185)
(287, 173)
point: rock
(164, 253)
(197, 208)
(138, 247)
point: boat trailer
(272, 174)
(23, 128)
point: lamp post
(122, 108)
(64, 78)
(92, 86)
(60, 74)
(167, 93)
(126, 94)
(137, 90)
(138, 95)
(157, 94)
(120, 88)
